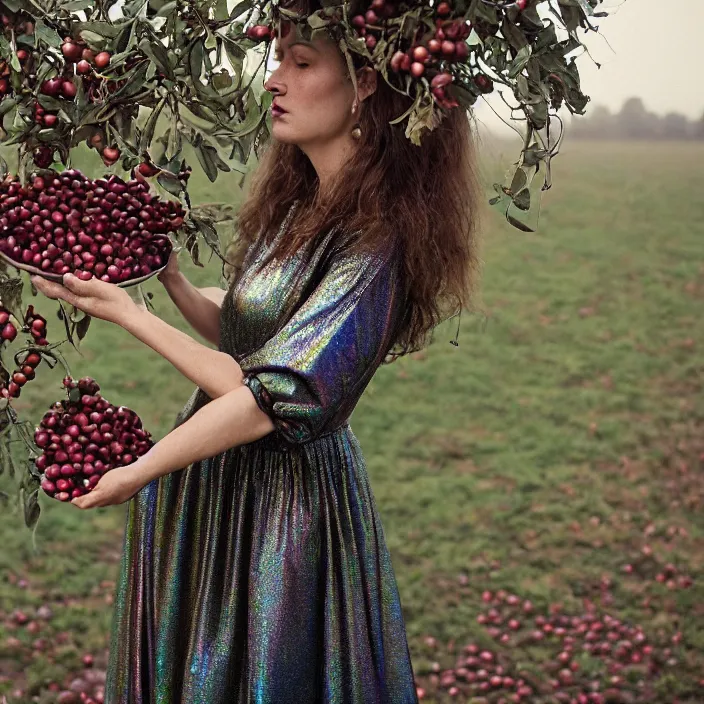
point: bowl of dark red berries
(84, 436)
(114, 230)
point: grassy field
(548, 470)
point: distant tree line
(633, 121)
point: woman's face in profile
(309, 82)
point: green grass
(563, 435)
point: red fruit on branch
(484, 83)
(110, 155)
(43, 157)
(147, 169)
(9, 332)
(52, 87)
(68, 89)
(102, 60)
(71, 51)
(444, 9)
(434, 46)
(259, 32)
(442, 79)
(83, 67)
(461, 51)
(417, 69)
(420, 54)
(448, 48)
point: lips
(277, 108)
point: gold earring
(357, 131)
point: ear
(366, 82)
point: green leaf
(513, 34)
(82, 326)
(222, 80)
(167, 8)
(211, 41)
(315, 21)
(94, 40)
(6, 105)
(147, 135)
(171, 184)
(156, 51)
(522, 200)
(206, 228)
(195, 60)
(519, 181)
(206, 161)
(31, 509)
(519, 63)
(240, 8)
(77, 5)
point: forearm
(202, 312)
(217, 373)
(226, 422)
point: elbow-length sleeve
(309, 376)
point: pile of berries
(83, 437)
(109, 228)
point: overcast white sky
(653, 52)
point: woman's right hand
(171, 271)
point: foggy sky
(651, 53)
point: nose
(272, 84)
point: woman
(255, 567)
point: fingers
(87, 501)
(83, 288)
(53, 290)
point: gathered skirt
(260, 576)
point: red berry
(444, 9)
(102, 60)
(9, 332)
(420, 54)
(71, 51)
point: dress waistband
(275, 441)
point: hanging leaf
(31, 509)
(47, 34)
(148, 133)
(171, 184)
(156, 51)
(82, 326)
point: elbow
(232, 372)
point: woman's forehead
(285, 37)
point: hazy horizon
(662, 76)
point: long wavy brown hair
(428, 198)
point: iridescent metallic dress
(262, 576)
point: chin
(284, 134)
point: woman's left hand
(97, 298)
(115, 487)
